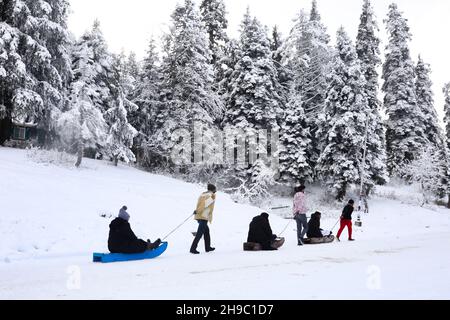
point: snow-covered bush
(54, 157)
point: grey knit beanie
(123, 214)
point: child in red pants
(346, 220)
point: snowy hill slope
(51, 223)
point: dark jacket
(261, 232)
(347, 213)
(123, 240)
(314, 227)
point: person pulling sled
(346, 220)
(203, 215)
(300, 210)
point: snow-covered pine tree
(213, 13)
(120, 135)
(284, 73)
(228, 64)
(254, 103)
(188, 83)
(446, 91)
(436, 147)
(98, 84)
(429, 171)
(425, 101)
(149, 116)
(368, 50)
(295, 167)
(405, 136)
(446, 139)
(128, 71)
(93, 65)
(294, 57)
(82, 124)
(133, 66)
(314, 47)
(346, 114)
(34, 60)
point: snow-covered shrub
(54, 157)
(256, 190)
(427, 172)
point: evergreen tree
(149, 116)
(214, 17)
(446, 91)
(228, 64)
(346, 115)
(313, 75)
(425, 101)
(283, 71)
(82, 124)
(98, 84)
(187, 90)
(368, 50)
(307, 56)
(34, 62)
(295, 167)
(254, 103)
(294, 56)
(430, 171)
(405, 136)
(446, 148)
(120, 134)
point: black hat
(212, 188)
(265, 215)
(351, 202)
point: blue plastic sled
(118, 257)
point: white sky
(128, 25)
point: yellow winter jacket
(205, 206)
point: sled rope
(336, 224)
(289, 223)
(190, 216)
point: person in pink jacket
(300, 211)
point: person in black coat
(123, 240)
(314, 230)
(261, 232)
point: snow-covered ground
(51, 222)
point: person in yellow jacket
(204, 214)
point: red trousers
(348, 224)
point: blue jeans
(203, 230)
(302, 226)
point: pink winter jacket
(300, 203)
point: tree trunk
(5, 130)
(80, 154)
(448, 203)
(116, 160)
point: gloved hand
(195, 212)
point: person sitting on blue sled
(123, 240)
